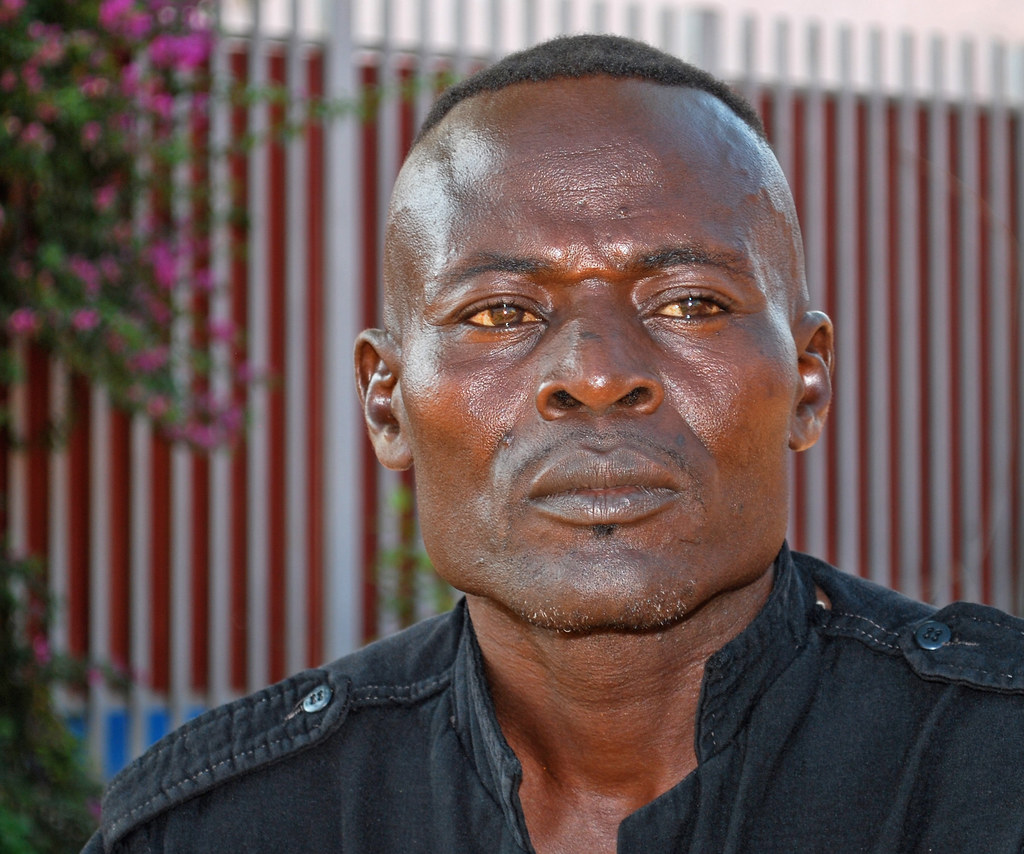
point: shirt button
(932, 635)
(317, 699)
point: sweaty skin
(598, 356)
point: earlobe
(377, 363)
(815, 361)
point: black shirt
(879, 725)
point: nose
(599, 373)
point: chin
(590, 611)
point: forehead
(589, 167)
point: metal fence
(208, 576)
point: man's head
(576, 57)
(597, 350)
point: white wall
(486, 27)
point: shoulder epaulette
(224, 743)
(968, 644)
(279, 721)
(963, 643)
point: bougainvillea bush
(104, 256)
(104, 263)
(48, 800)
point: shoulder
(279, 722)
(963, 643)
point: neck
(605, 718)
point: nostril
(563, 400)
(637, 397)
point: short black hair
(585, 56)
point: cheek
(460, 413)
(739, 407)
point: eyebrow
(496, 263)
(692, 256)
(660, 259)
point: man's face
(597, 355)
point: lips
(619, 487)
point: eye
(691, 308)
(503, 316)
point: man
(598, 354)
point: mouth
(589, 489)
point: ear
(377, 372)
(815, 359)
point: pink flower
(123, 18)
(41, 649)
(230, 420)
(33, 79)
(50, 52)
(165, 264)
(85, 271)
(130, 79)
(35, 135)
(222, 330)
(150, 360)
(246, 372)
(8, 80)
(182, 53)
(161, 103)
(112, 11)
(202, 435)
(9, 9)
(104, 198)
(202, 279)
(23, 321)
(85, 319)
(91, 132)
(95, 87)
(157, 406)
(110, 269)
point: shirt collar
(734, 678)
(477, 726)
(738, 674)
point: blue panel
(117, 742)
(76, 723)
(159, 724)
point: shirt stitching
(168, 792)
(872, 637)
(993, 623)
(878, 626)
(869, 635)
(967, 671)
(159, 749)
(377, 694)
